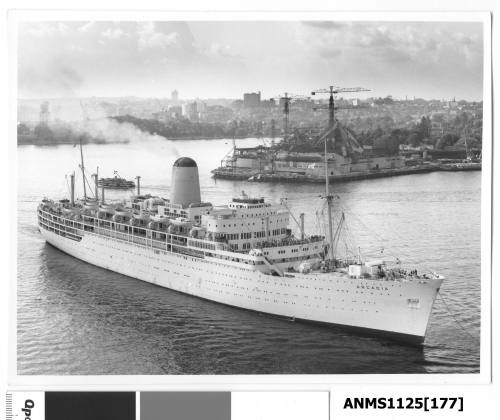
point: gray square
(185, 405)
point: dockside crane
(287, 99)
(333, 91)
(273, 132)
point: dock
(252, 175)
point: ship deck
(53, 219)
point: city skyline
(226, 59)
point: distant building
(453, 104)
(251, 100)
(268, 104)
(174, 111)
(436, 129)
(201, 107)
(190, 111)
(217, 114)
(175, 96)
(44, 113)
(27, 114)
(237, 104)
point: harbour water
(74, 318)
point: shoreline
(194, 138)
(255, 176)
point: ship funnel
(185, 182)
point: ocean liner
(241, 254)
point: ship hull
(396, 309)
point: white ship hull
(400, 309)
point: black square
(90, 405)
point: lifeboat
(91, 204)
(140, 220)
(105, 211)
(153, 202)
(158, 223)
(197, 232)
(107, 207)
(119, 211)
(181, 225)
(121, 215)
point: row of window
(200, 244)
(253, 223)
(248, 235)
(59, 230)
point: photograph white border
(254, 382)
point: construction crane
(334, 90)
(270, 128)
(331, 107)
(273, 132)
(287, 98)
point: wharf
(245, 174)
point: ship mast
(83, 170)
(86, 119)
(329, 199)
(466, 133)
(330, 135)
(96, 184)
(72, 189)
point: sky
(439, 60)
